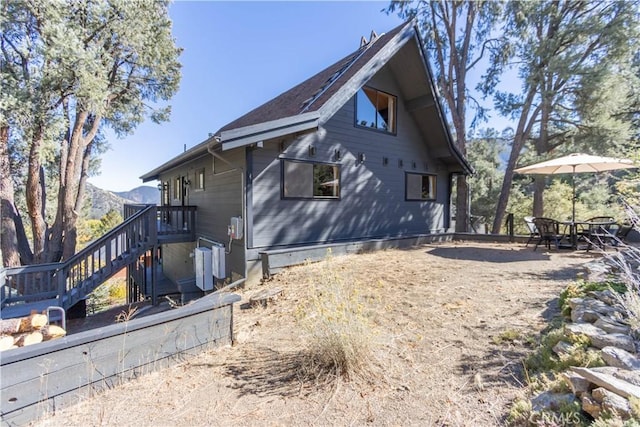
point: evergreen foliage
(70, 68)
(571, 57)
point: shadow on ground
(485, 254)
(266, 372)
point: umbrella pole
(573, 199)
(574, 227)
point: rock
(611, 326)
(590, 406)
(579, 385)
(630, 376)
(562, 347)
(611, 383)
(265, 296)
(583, 329)
(607, 296)
(548, 401)
(590, 309)
(622, 341)
(620, 358)
(582, 314)
(575, 303)
(612, 402)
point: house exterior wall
(372, 202)
(220, 200)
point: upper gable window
(376, 110)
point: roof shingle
(311, 94)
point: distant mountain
(99, 201)
(143, 194)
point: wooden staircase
(36, 287)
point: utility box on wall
(218, 262)
(204, 269)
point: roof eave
(467, 168)
(191, 154)
(249, 135)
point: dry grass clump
(627, 260)
(338, 337)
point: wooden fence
(40, 379)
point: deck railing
(71, 280)
(174, 222)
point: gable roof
(312, 93)
(312, 102)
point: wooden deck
(27, 288)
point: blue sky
(238, 55)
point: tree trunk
(503, 200)
(542, 147)
(462, 204)
(14, 243)
(538, 195)
(35, 195)
(523, 129)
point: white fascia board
(268, 130)
(190, 154)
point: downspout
(244, 210)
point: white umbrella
(576, 163)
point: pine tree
(70, 68)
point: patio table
(585, 230)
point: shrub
(627, 261)
(581, 288)
(544, 359)
(112, 292)
(339, 336)
(520, 412)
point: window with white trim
(177, 188)
(309, 180)
(420, 186)
(199, 180)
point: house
(359, 151)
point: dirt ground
(441, 314)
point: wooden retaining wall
(40, 379)
(275, 260)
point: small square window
(420, 187)
(309, 180)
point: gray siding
(217, 203)
(372, 195)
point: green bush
(581, 288)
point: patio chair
(599, 231)
(548, 230)
(533, 231)
(622, 232)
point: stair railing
(73, 279)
